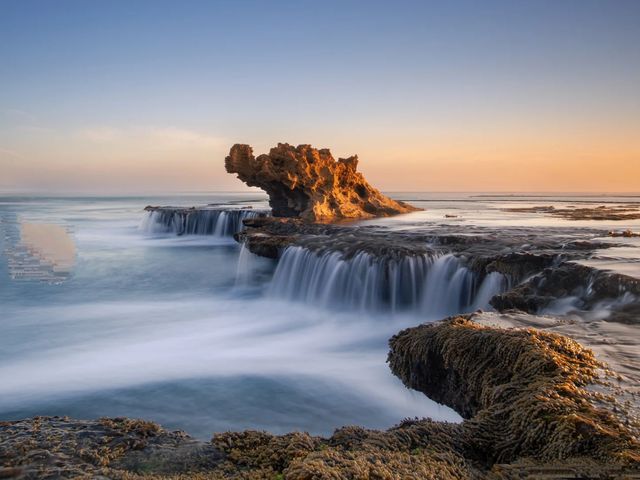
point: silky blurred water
(162, 327)
(158, 327)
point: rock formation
(309, 183)
(529, 397)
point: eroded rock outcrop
(309, 183)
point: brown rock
(603, 212)
(309, 183)
(625, 234)
(528, 396)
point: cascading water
(244, 270)
(203, 221)
(435, 285)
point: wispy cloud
(100, 134)
(164, 136)
(18, 116)
(179, 136)
(9, 153)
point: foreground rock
(537, 405)
(60, 447)
(615, 344)
(310, 184)
(527, 397)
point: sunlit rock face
(309, 183)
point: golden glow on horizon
(107, 160)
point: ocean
(107, 311)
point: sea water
(102, 316)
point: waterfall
(448, 288)
(436, 285)
(244, 268)
(201, 221)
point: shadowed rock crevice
(310, 184)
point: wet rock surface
(615, 344)
(525, 394)
(474, 241)
(571, 287)
(603, 212)
(60, 447)
(624, 234)
(310, 184)
(517, 252)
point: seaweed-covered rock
(523, 391)
(60, 447)
(309, 183)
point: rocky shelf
(542, 268)
(602, 212)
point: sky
(148, 96)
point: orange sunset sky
(114, 97)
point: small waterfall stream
(244, 270)
(204, 221)
(436, 285)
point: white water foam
(433, 285)
(215, 222)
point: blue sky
(431, 95)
